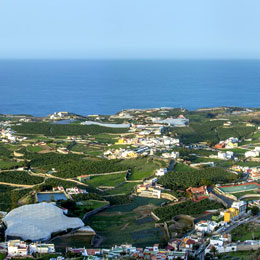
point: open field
(6, 164)
(125, 188)
(130, 223)
(247, 231)
(106, 180)
(242, 255)
(143, 167)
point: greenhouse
(36, 222)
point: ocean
(41, 87)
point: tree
(14, 199)
(213, 250)
(254, 210)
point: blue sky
(103, 29)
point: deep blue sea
(41, 87)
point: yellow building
(230, 213)
(131, 155)
(120, 141)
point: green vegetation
(34, 149)
(86, 196)
(180, 167)
(246, 231)
(106, 180)
(10, 196)
(19, 178)
(79, 209)
(124, 189)
(118, 200)
(8, 164)
(184, 179)
(211, 132)
(64, 130)
(188, 208)
(241, 255)
(129, 223)
(56, 182)
(142, 167)
(240, 194)
(72, 165)
(254, 210)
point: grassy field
(6, 165)
(125, 188)
(246, 232)
(179, 167)
(242, 255)
(106, 138)
(88, 205)
(239, 194)
(106, 180)
(129, 223)
(143, 167)
(34, 149)
(93, 204)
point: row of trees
(71, 165)
(186, 208)
(64, 130)
(19, 177)
(182, 180)
(211, 132)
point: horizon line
(131, 59)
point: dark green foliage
(182, 180)
(186, 208)
(86, 196)
(64, 130)
(211, 132)
(19, 178)
(255, 210)
(4, 152)
(44, 187)
(68, 204)
(118, 200)
(72, 165)
(9, 197)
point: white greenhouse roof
(38, 221)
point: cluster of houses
(120, 252)
(70, 191)
(227, 155)
(120, 154)
(150, 188)
(253, 153)
(229, 143)
(253, 172)
(7, 136)
(238, 209)
(59, 115)
(144, 146)
(197, 194)
(19, 248)
(156, 142)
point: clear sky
(129, 29)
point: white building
(253, 153)
(161, 172)
(240, 205)
(228, 155)
(42, 248)
(17, 248)
(206, 226)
